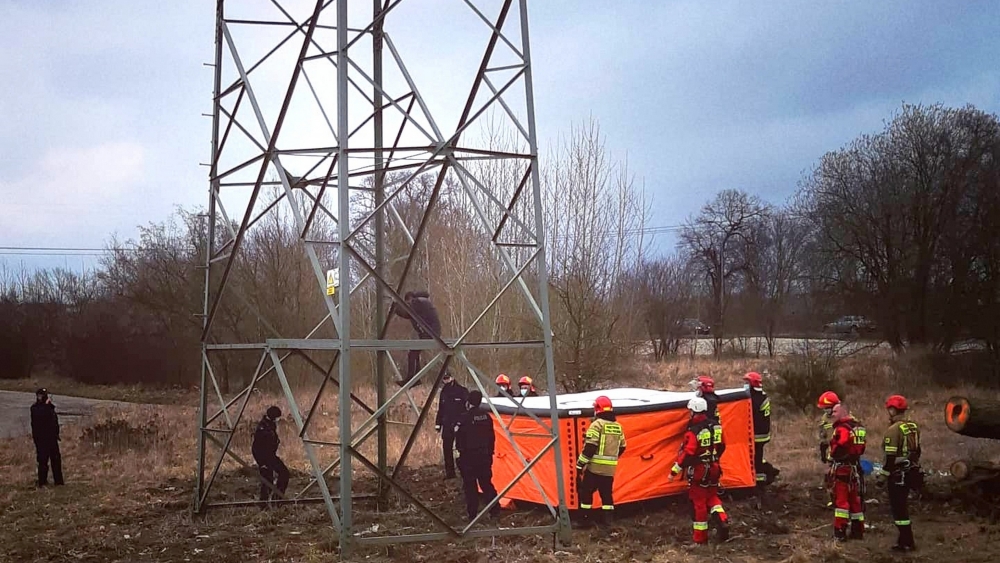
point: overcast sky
(101, 101)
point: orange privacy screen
(653, 438)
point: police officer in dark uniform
(451, 406)
(475, 440)
(265, 453)
(45, 433)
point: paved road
(16, 421)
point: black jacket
(761, 416)
(265, 440)
(713, 405)
(451, 404)
(475, 433)
(422, 306)
(44, 424)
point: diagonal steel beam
(310, 454)
(270, 150)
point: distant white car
(850, 324)
(694, 326)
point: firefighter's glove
(824, 448)
(674, 472)
(437, 427)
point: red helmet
(602, 404)
(897, 402)
(754, 379)
(502, 379)
(706, 384)
(525, 381)
(827, 400)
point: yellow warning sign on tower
(332, 281)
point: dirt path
(15, 419)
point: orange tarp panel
(653, 438)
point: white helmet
(697, 404)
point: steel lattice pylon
(339, 154)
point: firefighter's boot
(905, 540)
(857, 529)
(840, 534)
(723, 531)
(599, 518)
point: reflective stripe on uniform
(599, 432)
(859, 516)
(760, 438)
(718, 508)
(761, 477)
(841, 513)
(608, 507)
(902, 522)
(585, 506)
(891, 449)
(583, 460)
(701, 526)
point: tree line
(898, 225)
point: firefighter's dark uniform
(846, 448)
(421, 304)
(902, 459)
(713, 405)
(699, 460)
(451, 406)
(475, 440)
(45, 434)
(265, 452)
(603, 444)
(761, 405)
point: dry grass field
(130, 478)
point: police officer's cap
(42, 391)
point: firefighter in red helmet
(761, 404)
(901, 470)
(826, 402)
(503, 385)
(699, 460)
(603, 445)
(704, 387)
(847, 445)
(526, 386)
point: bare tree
(883, 207)
(714, 242)
(666, 289)
(774, 257)
(595, 217)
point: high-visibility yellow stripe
(859, 516)
(902, 522)
(607, 507)
(718, 508)
(841, 513)
(891, 449)
(597, 461)
(583, 460)
(762, 438)
(701, 525)
(585, 506)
